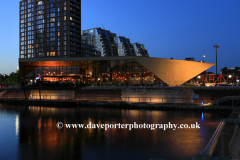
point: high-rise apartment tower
(50, 28)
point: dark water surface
(30, 133)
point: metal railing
(229, 151)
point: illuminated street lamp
(229, 76)
(199, 77)
(204, 58)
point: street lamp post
(216, 46)
(204, 58)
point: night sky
(167, 28)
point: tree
(13, 78)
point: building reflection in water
(17, 125)
(39, 137)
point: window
(52, 20)
(40, 3)
(40, 54)
(52, 15)
(51, 54)
(52, 34)
(52, 29)
(65, 18)
(58, 33)
(52, 25)
(52, 39)
(65, 8)
(58, 23)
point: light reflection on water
(37, 135)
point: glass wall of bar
(96, 73)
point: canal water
(30, 132)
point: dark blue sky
(168, 28)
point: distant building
(89, 51)
(190, 59)
(233, 71)
(125, 48)
(140, 50)
(102, 39)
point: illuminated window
(40, 3)
(58, 33)
(71, 18)
(65, 18)
(52, 53)
(52, 20)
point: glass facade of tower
(50, 28)
(125, 48)
(140, 50)
(102, 39)
(109, 44)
